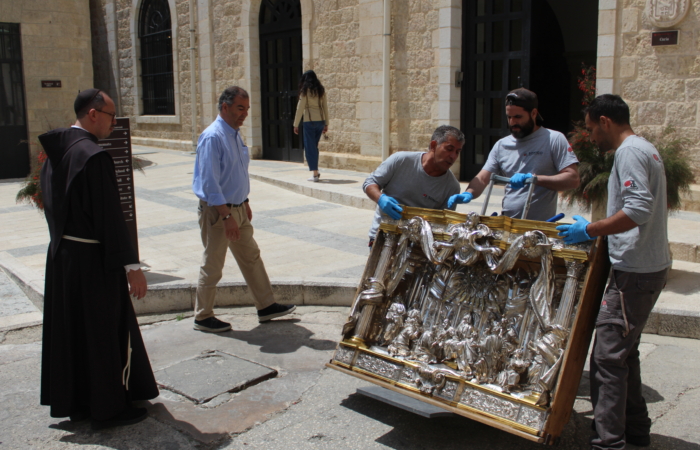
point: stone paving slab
(211, 374)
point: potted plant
(595, 165)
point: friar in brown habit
(94, 363)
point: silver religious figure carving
(394, 321)
(411, 330)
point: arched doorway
(536, 44)
(280, 68)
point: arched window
(158, 92)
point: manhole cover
(205, 376)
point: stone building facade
(342, 40)
(660, 83)
(55, 46)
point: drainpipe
(386, 90)
(193, 79)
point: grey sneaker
(211, 325)
(273, 311)
(315, 178)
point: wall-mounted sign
(667, 13)
(51, 83)
(118, 145)
(664, 38)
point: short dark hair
(230, 94)
(443, 131)
(87, 100)
(611, 106)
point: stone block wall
(342, 41)
(170, 128)
(661, 84)
(55, 46)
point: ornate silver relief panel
(449, 391)
(532, 418)
(379, 366)
(524, 415)
(344, 355)
(666, 13)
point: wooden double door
(281, 67)
(14, 147)
(509, 44)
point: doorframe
(251, 80)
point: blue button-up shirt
(221, 166)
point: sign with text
(51, 83)
(118, 145)
(664, 38)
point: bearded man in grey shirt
(636, 227)
(530, 150)
(415, 179)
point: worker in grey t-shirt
(530, 150)
(636, 227)
(415, 179)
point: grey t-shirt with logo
(544, 152)
(637, 186)
(402, 177)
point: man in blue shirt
(222, 184)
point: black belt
(230, 205)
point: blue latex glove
(464, 197)
(517, 181)
(390, 207)
(576, 232)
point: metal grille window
(158, 92)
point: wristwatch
(226, 216)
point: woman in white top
(313, 106)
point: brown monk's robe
(89, 321)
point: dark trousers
(619, 408)
(312, 134)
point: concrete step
(345, 187)
(677, 312)
(16, 310)
(691, 200)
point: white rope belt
(126, 373)
(77, 239)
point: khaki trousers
(247, 255)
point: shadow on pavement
(337, 181)
(284, 337)
(158, 278)
(410, 431)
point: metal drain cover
(211, 374)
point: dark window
(11, 82)
(158, 92)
